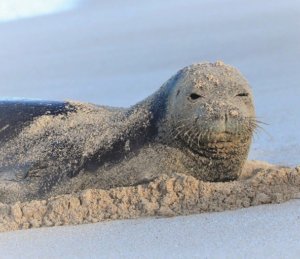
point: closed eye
(242, 94)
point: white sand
(119, 53)
(270, 231)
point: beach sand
(268, 231)
(167, 196)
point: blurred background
(118, 52)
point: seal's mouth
(213, 145)
(219, 137)
(212, 140)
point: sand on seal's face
(260, 183)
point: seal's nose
(222, 116)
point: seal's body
(200, 122)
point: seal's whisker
(188, 138)
(179, 132)
(176, 131)
(254, 126)
(179, 127)
(195, 138)
(261, 122)
(173, 133)
(258, 128)
(257, 121)
(187, 132)
(199, 138)
(191, 137)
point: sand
(261, 183)
(268, 231)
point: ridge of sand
(167, 196)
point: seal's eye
(242, 95)
(194, 96)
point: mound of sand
(260, 183)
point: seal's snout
(217, 121)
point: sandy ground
(165, 196)
(269, 231)
(121, 53)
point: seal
(200, 122)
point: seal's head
(211, 113)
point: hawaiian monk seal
(200, 122)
